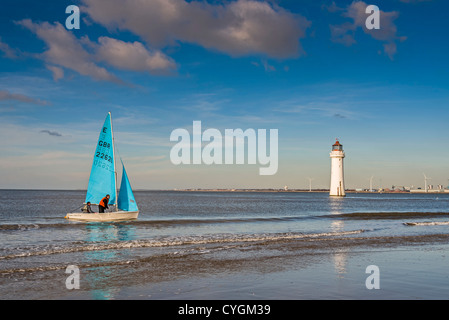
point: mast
(115, 170)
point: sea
(202, 245)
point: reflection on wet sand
(340, 254)
(98, 277)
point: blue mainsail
(126, 199)
(102, 179)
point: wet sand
(405, 273)
(411, 272)
(410, 268)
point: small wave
(147, 223)
(435, 223)
(33, 226)
(186, 221)
(387, 215)
(174, 241)
(21, 227)
(59, 267)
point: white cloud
(8, 52)
(242, 27)
(64, 50)
(6, 95)
(58, 73)
(237, 28)
(132, 56)
(344, 33)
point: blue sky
(307, 68)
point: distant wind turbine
(310, 184)
(425, 181)
(371, 183)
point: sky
(310, 69)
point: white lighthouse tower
(337, 177)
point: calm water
(183, 238)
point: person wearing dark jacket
(87, 208)
(103, 204)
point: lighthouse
(337, 187)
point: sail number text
(103, 155)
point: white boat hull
(103, 217)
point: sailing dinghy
(103, 181)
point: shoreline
(299, 191)
(255, 190)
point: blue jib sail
(102, 179)
(126, 201)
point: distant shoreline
(445, 191)
(301, 191)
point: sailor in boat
(87, 208)
(103, 204)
